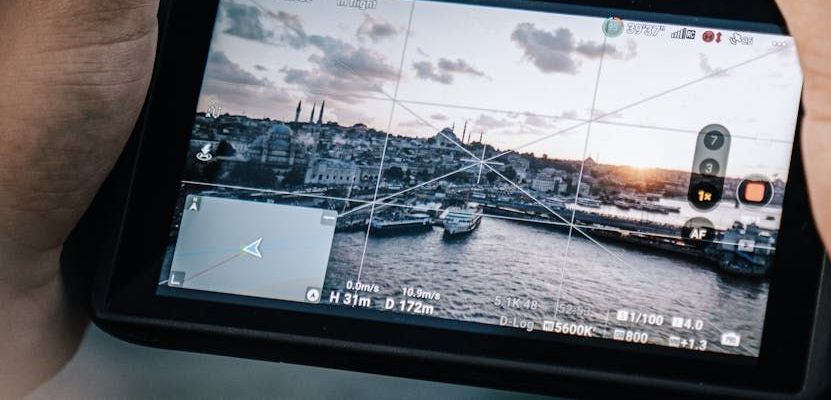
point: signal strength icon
(688, 34)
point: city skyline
(461, 133)
(266, 58)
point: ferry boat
(461, 221)
(623, 205)
(651, 207)
(554, 202)
(626, 203)
(674, 210)
(587, 202)
(745, 250)
(400, 224)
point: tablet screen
(565, 172)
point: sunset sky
(516, 76)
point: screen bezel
(127, 287)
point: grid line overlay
(386, 139)
(579, 180)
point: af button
(698, 232)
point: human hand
(74, 78)
(808, 23)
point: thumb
(808, 23)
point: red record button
(755, 192)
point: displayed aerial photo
(518, 168)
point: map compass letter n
(253, 248)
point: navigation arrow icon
(254, 248)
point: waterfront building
(368, 175)
(546, 184)
(327, 171)
(520, 165)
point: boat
(674, 210)
(623, 205)
(642, 205)
(587, 202)
(461, 221)
(745, 250)
(400, 224)
(651, 207)
(653, 197)
(554, 202)
(662, 209)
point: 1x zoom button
(704, 194)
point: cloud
(339, 57)
(260, 68)
(231, 86)
(459, 66)
(570, 114)
(337, 66)
(488, 122)
(427, 71)
(439, 117)
(245, 22)
(340, 68)
(445, 70)
(628, 53)
(412, 124)
(550, 52)
(292, 29)
(376, 30)
(560, 52)
(538, 121)
(220, 68)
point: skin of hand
(73, 78)
(808, 23)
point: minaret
(297, 113)
(312, 117)
(482, 133)
(464, 132)
(320, 117)
(453, 128)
